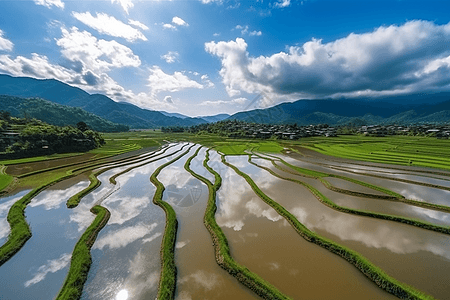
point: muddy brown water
(197, 165)
(368, 204)
(408, 190)
(412, 255)
(346, 185)
(198, 275)
(266, 244)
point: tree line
(21, 137)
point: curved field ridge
(374, 273)
(168, 278)
(398, 179)
(5, 179)
(94, 182)
(222, 250)
(319, 175)
(113, 178)
(316, 175)
(81, 256)
(329, 203)
(20, 230)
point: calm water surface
(38, 270)
(264, 242)
(399, 249)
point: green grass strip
(20, 230)
(392, 197)
(94, 183)
(113, 178)
(371, 271)
(5, 179)
(316, 175)
(400, 180)
(222, 250)
(81, 257)
(325, 200)
(168, 278)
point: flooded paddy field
(127, 252)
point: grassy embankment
(222, 250)
(374, 273)
(20, 230)
(399, 150)
(329, 203)
(5, 179)
(81, 256)
(93, 177)
(168, 278)
(392, 196)
(112, 179)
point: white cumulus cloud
(404, 58)
(282, 3)
(179, 21)
(159, 81)
(95, 54)
(138, 24)
(126, 4)
(169, 26)
(238, 101)
(50, 3)
(170, 57)
(109, 25)
(5, 44)
(211, 1)
(245, 30)
(176, 21)
(88, 61)
(255, 33)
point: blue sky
(204, 57)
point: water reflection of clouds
(432, 214)
(181, 244)
(152, 238)
(52, 266)
(237, 201)
(142, 278)
(52, 199)
(122, 237)
(201, 279)
(197, 166)
(254, 207)
(174, 175)
(397, 238)
(125, 208)
(6, 204)
(82, 216)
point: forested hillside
(20, 137)
(56, 114)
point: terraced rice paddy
(187, 222)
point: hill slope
(56, 114)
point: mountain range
(404, 109)
(100, 105)
(399, 109)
